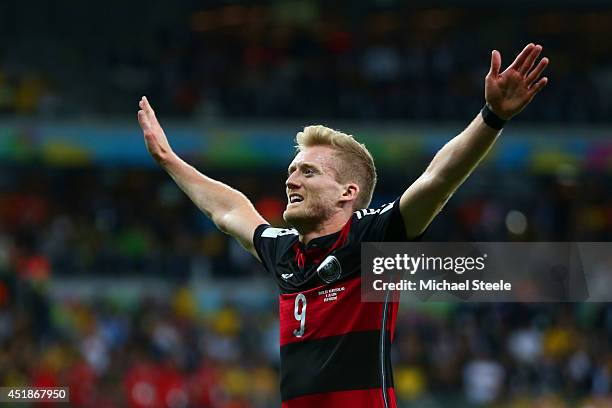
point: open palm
(507, 93)
(154, 136)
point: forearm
(215, 199)
(448, 169)
(458, 158)
(229, 209)
(506, 93)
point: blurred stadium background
(111, 281)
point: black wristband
(491, 119)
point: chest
(327, 310)
(302, 271)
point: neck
(325, 227)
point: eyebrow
(303, 164)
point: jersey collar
(318, 248)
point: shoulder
(271, 243)
(363, 213)
(266, 231)
(384, 223)
(271, 239)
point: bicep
(421, 202)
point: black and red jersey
(334, 347)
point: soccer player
(335, 348)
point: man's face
(313, 193)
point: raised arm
(228, 208)
(506, 94)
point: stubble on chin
(306, 218)
(295, 218)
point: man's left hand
(508, 93)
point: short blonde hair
(355, 165)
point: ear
(350, 192)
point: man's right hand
(154, 136)
(229, 209)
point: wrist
(491, 119)
(166, 159)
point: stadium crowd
(116, 221)
(372, 61)
(375, 60)
(175, 351)
(172, 353)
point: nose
(292, 182)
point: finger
(495, 63)
(520, 59)
(143, 120)
(528, 64)
(146, 106)
(535, 74)
(537, 87)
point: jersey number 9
(300, 316)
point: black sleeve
(382, 224)
(270, 244)
(266, 248)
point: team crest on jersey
(330, 270)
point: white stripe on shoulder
(369, 211)
(277, 232)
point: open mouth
(295, 198)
